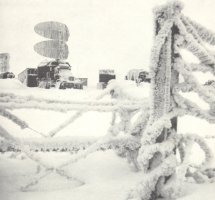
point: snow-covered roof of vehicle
(54, 63)
(63, 66)
(107, 71)
(134, 73)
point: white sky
(114, 34)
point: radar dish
(52, 30)
(52, 49)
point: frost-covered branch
(63, 108)
(200, 67)
(139, 125)
(181, 67)
(192, 45)
(13, 118)
(65, 124)
(185, 147)
(190, 29)
(153, 130)
(143, 191)
(106, 142)
(203, 145)
(148, 151)
(205, 34)
(9, 97)
(190, 108)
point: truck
(6, 75)
(28, 77)
(138, 75)
(51, 74)
(105, 75)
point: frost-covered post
(164, 77)
(157, 153)
(159, 140)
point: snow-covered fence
(124, 108)
(160, 140)
(157, 127)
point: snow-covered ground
(105, 175)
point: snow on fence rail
(126, 144)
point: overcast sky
(115, 34)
